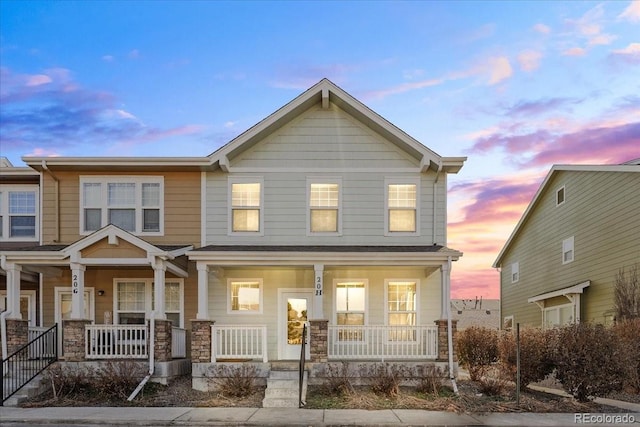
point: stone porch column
(318, 342)
(201, 341)
(162, 340)
(17, 334)
(73, 344)
(443, 346)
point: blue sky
(515, 86)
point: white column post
(318, 287)
(203, 292)
(444, 287)
(77, 290)
(159, 269)
(13, 290)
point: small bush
(429, 379)
(535, 363)
(69, 382)
(118, 379)
(493, 382)
(477, 349)
(628, 335)
(338, 379)
(234, 380)
(588, 360)
(626, 294)
(385, 378)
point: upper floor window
(567, 250)
(19, 213)
(245, 205)
(324, 206)
(134, 204)
(401, 206)
(515, 272)
(560, 196)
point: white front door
(63, 308)
(295, 309)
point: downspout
(56, 237)
(449, 331)
(3, 322)
(152, 351)
(435, 199)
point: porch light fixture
(100, 292)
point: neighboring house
(581, 228)
(484, 313)
(323, 212)
(20, 228)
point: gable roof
(632, 166)
(324, 93)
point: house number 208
(74, 284)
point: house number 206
(74, 284)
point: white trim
(324, 180)
(575, 289)
(245, 180)
(260, 310)
(5, 215)
(148, 297)
(203, 209)
(401, 181)
(334, 300)
(30, 295)
(104, 181)
(568, 246)
(557, 308)
(282, 320)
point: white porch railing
(382, 342)
(116, 342)
(239, 342)
(178, 343)
(46, 347)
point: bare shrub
(493, 382)
(627, 333)
(477, 349)
(429, 379)
(588, 361)
(385, 378)
(535, 362)
(338, 379)
(627, 294)
(118, 379)
(234, 380)
(69, 382)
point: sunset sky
(515, 86)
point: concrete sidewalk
(146, 416)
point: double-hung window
(245, 296)
(402, 309)
(401, 197)
(245, 204)
(135, 300)
(350, 297)
(19, 213)
(134, 204)
(567, 250)
(515, 272)
(324, 206)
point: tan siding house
(580, 229)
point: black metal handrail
(303, 351)
(27, 362)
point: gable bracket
(325, 99)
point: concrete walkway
(293, 417)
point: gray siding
(602, 212)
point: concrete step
(33, 388)
(283, 389)
(269, 402)
(284, 375)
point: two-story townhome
(560, 262)
(20, 228)
(324, 213)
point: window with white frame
(401, 206)
(134, 204)
(245, 205)
(558, 315)
(515, 272)
(560, 196)
(135, 300)
(568, 254)
(324, 206)
(402, 309)
(19, 213)
(350, 297)
(245, 296)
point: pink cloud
(574, 51)
(632, 12)
(499, 69)
(542, 28)
(629, 54)
(529, 60)
(469, 284)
